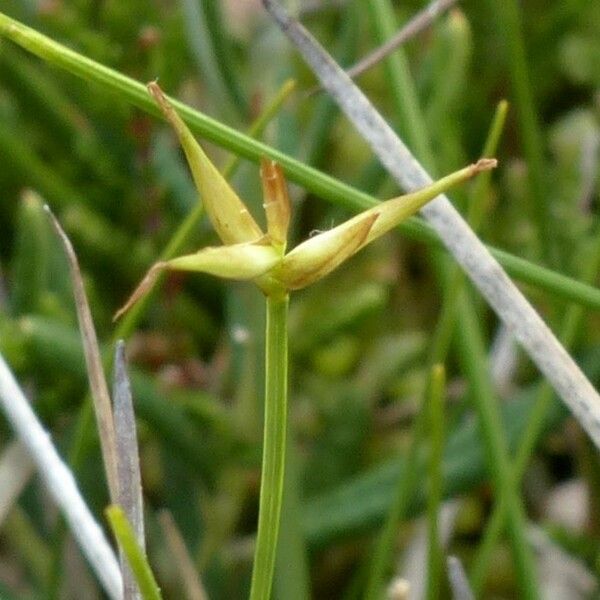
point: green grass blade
(200, 41)
(138, 561)
(401, 84)
(507, 14)
(30, 268)
(435, 558)
(404, 488)
(472, 353)
(223, 54)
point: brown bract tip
(142, 289)
(157, 93)
(485, 164)
(276, 200)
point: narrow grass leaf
(93, 361)
(200, 39)
(22, 534)
(536, 418)
(477, 205)
(437, 385)
(473, 358)
(138, 561)
(403, 489)
(227, 212)
(224, 55)
(30, 265)
(423, 19)
(16, 469)
(128, 463)
(507, 14)
(401, 86)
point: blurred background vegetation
(360, 340)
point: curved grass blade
(93, 361)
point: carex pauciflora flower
(249, 253)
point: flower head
(248, 253)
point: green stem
(437, 386)
(404, 491)
(274, 447)
(311, 179)
(292, 569)
(136, 557)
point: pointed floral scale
(394, 211)
(238, 261)
(321, 254)
(228, 214)
(276, 201)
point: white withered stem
(60, 483)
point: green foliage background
(359, 340)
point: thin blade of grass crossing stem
(480, 266)
(60, 483)
(423, 19)
(181, 557)
(458, 580)
(93, 361)
(128, 464)
(437, 392)
(418, 23)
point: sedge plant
(249, 253)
